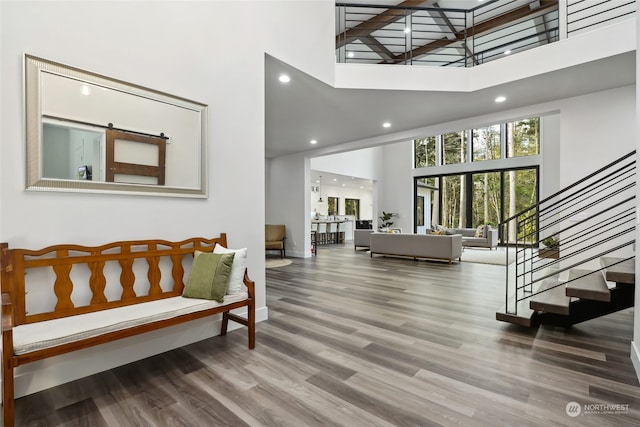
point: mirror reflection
(88, 132)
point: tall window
(352, 207)
(472, 199)
(523, 138)
(425, 151)
(332, 205)
(486, 199)
(454, 148)
(486, 143)
(454, 200)
(520, 193)
(420, 211)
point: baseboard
(635, 358)
(54, 371)
(298, 254)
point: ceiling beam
(452, 30)
(378, 48)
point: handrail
(570, 186)
(597, 13)
(592, 217)
(399, 7)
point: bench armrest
(250, 284)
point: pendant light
(320, 187)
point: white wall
(359, 163)
(289, 201)
(396, 185)
(182, 48)
(595, 130)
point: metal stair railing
(591, 218)
(412, 34)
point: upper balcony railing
(440, 36)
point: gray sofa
(445, 247)
(361, 238)
(469, 239)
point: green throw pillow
(209, 276)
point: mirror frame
(34, 67)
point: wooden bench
(98, 284)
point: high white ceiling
(306, 108)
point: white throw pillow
(236, 282)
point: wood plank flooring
(356, 341)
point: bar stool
(314, 242)
(314, 238)
(340, 235)
(322, 233)
(333, 232)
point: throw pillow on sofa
(480, 231)
(437, 229)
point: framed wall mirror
(91, 133)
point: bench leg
(225, 323)
(7, 393)
(249, 322)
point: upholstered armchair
(274, 236)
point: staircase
(575, 251)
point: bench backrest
(73, 270)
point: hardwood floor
(356, 341)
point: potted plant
(385, 220)
(551, 249)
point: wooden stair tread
(586, 284)
(523, 318)
(553, 300)
(624, 272)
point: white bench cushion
(51, 333)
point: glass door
(520, 192)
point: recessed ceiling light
(507, 52)
(350, 54)
(284, 78)
(407, 30)
(501, 99)
(313, 142)
(86, 90)
(386, 125)
(335, 179)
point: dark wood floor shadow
(358, 341)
